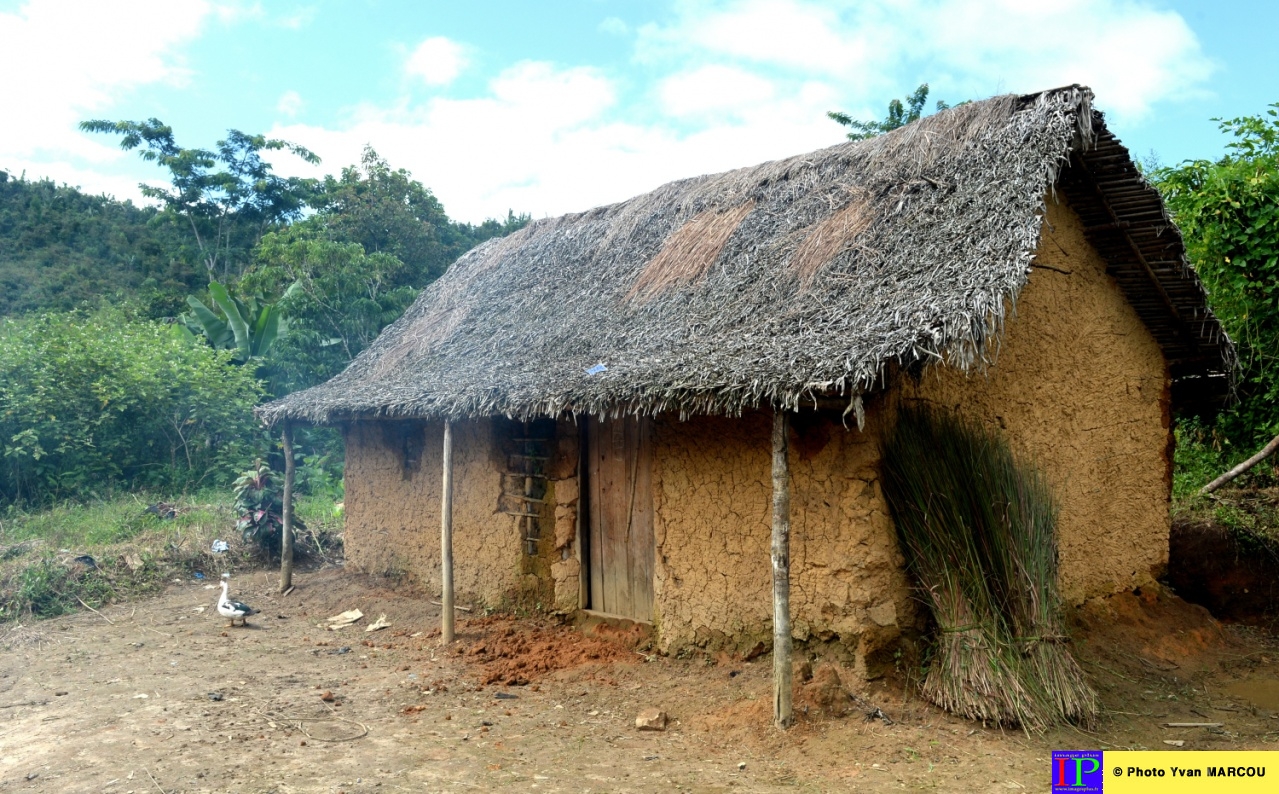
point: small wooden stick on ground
(153, 780)
(94, 611)
(455, 606)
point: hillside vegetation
(61, 248)
(135, 341)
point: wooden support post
(286, 532)
(446, 539)
(783, 716)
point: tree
(250, 327)
(340, 299)
(899, 115)
(386, 211)
(377, 238)
(228, 195)
(1228, 212)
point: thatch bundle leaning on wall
(978, 529)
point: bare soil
(1234, 574)
(160, 695)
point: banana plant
(248, 326)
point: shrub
(259, 507)
(1228, 210)
(89, 403)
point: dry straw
(979, 530)
(773, 284)
(691, 250)
(831, 237)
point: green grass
(1247, 507)
(98, 523)
(134, 551)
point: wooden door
(620, 516)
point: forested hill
(61, 248)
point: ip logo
(1077, 771)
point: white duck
(233, 609)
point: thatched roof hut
(785, 281)
(611, 378)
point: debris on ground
(345, 619)
(651, 719)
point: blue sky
(560, 105)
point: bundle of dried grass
(690, 251)
(975, 671)
(1014, 519)
(1023, 535)
(953, 486)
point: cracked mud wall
(393, 486)
(713, 514)
(1080, 386)
(565, 547)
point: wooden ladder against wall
(524, 483)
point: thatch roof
(778, 283)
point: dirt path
(165, 697)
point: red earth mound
(515, 653)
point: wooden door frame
(583, 513)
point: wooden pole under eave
(446, 539)
(783, 715)
(286, 532)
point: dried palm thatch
(777, 283)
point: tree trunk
(446, 539)
(286, 532)
(782, 669)
(1266, 451)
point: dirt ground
(160, 695)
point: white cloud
(64, 63)
(614, 26)
(437, 60)
(1131, 53)
(298, 18)
(792, 34)
(289, 104)
(548, 140)
(741, 81)
(722, 84)
(710, 89)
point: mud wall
(713, 513)
(1078, 385)
(393, 482)
(563, 546)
